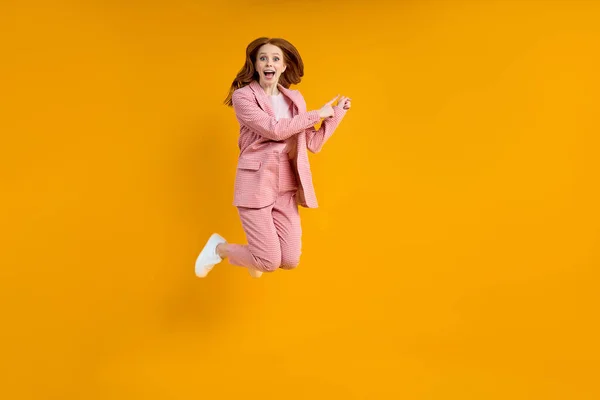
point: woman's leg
(287, 222)
(274, 238)
(286, 217)
(263, 251)
(223, 252)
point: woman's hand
(344, 102)
(327, 109)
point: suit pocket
(252, 165)
(255, 183)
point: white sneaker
(255, 273)
(208, 257)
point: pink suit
(268, 185)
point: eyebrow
(275, 54)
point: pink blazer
(261, 142)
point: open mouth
(269, 74)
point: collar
(263, 98)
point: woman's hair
(291, 58)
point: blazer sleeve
(251, 115)
(315, 139)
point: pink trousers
(274, 232)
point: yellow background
(454, 255)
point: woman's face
(269, 64)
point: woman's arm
(251, 115)
(315, 139)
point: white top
(282, 107)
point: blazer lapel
(263, 100)
(265, 103)
(290, 94)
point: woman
(273, 173)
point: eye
(276, 58)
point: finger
(333, 99)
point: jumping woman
(273, 174)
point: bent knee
(285, 261)
(268, 265)
(290, 262)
